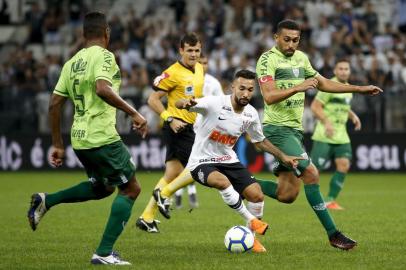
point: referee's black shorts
(236, 173)
(178, 145)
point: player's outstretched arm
(105, 92)
(55, 110)
(272, 94)
(185, 103)
(267, 146)
(327, 85)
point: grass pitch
(375, 216)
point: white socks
(257, 209)
(233, 199)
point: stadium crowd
(372, 34)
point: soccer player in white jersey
(211, 87)
(213, 161)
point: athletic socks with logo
(316, 201)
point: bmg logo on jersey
(226, 139)
(189, 90)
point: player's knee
(311, 175)
(220, 184)
(135, 191)
(288, 198)
(343, 167)
(131, 189)
(101, 191)
(257, 197)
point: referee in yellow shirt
(183, 79)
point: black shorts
(238, 175)
(178, 145)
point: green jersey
(287, 72)
(94, 120)
(336, 108)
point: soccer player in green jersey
(284, 75)
(91, 79)
(330, 137)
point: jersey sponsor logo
(319, 207)
(159, 78)
(265, 79)
(222, 138)
(226, 108)
(189, 90)
(294, 103)
(247, 114)
(263, 66)
(215, 159)
(78, 133)
(77, 67)
(107, 61)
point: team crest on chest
(245, 125)
(296, 72)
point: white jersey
(219, 129)
(212, 86)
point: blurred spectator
(35, 19)
(4, 13)
(234, 34)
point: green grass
(375, 216)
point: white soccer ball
(239, 239)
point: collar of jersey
(188, 68)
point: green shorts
(323, 152)
(110, 164)
(289, 141)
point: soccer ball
(239, 239)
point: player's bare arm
(355, 120)
(154, 101)
(55, 110)
(327, 85)
(185, 103)
(267, 146)
(105, 92)
(272, 94)
(318, 112)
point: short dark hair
(342, 59)
(94, 25)
(190, 38)
(245, 73)
(287, 24)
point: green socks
(336, 184)
(268, 187)
(315, 200)
(120, 213)
(81, 192)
